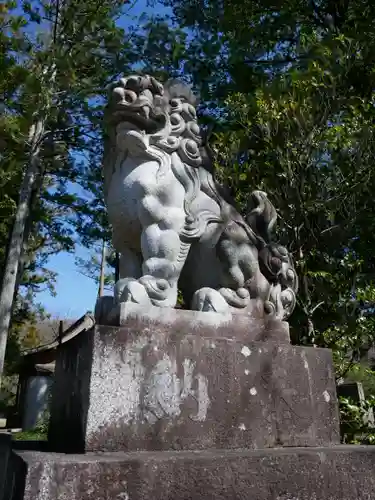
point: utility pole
(102, 271)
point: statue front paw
(131, 290)
(147, 291)
(238, 299)
(207, 299)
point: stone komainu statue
(173, 225)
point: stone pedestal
(157, 384)
(181, 405)
(341, 473)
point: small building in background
(36, 371)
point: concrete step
(327, 473)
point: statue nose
(146, 111)
(146, 101)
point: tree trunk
(38, 183)
(17, 239)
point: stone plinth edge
(337, 473)
(251, 326)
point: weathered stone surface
(338, 473)
(144, 387)
(252, 326)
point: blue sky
(75, 293)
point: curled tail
(275, 262)
(263, 216)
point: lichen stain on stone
(287, 497)
(118, 376)
(165, 392)
(242, 427)
(245, 351)
(203, 399)
(327, 397)
(162, 387)
(323, 457)
(122, 496)
(125, 390)
(253, 391)
(247, 372)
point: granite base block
(140, 387)
(339, 473)
(251, 326)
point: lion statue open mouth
(173, 225)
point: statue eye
(130, 96)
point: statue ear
(179, 89)
(156, 86)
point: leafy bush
(355, 425)
(40, 432)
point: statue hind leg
(241, 278)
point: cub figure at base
(173, 225)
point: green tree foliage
(311, 151)
(289, 86)
(235, 45)
(355, 425)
